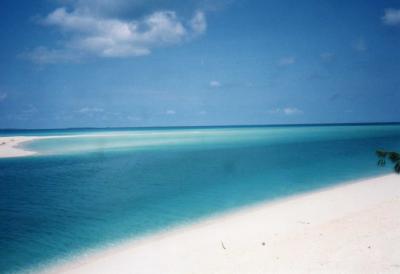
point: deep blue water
(88, 191)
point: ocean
(97, 187)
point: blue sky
(76, 63)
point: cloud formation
(360, 45)
(286, 111)
(104, 8)
(90, 110)
(198, 23)
(44, 55)
(90, 33)
(286, 61)
(327, 56)
(3, 96)
(391, 17)
(170, 112)
(215, 84)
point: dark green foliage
(394, 157)
(397, 167)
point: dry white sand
(10, 146)
(351, 228)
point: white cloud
(27, 112)
(291, 111)
(116, 38)
(198, 22)
(391, 17)
(103, 7)
(30, 109)
(215, 84)
(43, 55)
(134, 118)
(90, 110)
(3, 96)
(286, 61)
(360, 45)
(286, 111)
(91, 34)
(327, 56)
(170, 112)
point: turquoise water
(97, 187)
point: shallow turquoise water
(86, 191)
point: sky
(120, 63)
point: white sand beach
(350, 228)
(10, 146)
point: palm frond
(381, 153)
(394, 156)
(397, 167)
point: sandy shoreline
(351, 228)
(10, 146)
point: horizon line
(203, 126)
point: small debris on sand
(223, 246)
(304, 222)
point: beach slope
(351, 228)
(11, 146)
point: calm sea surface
(93, 188)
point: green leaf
(381, 162)
(381, 153)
